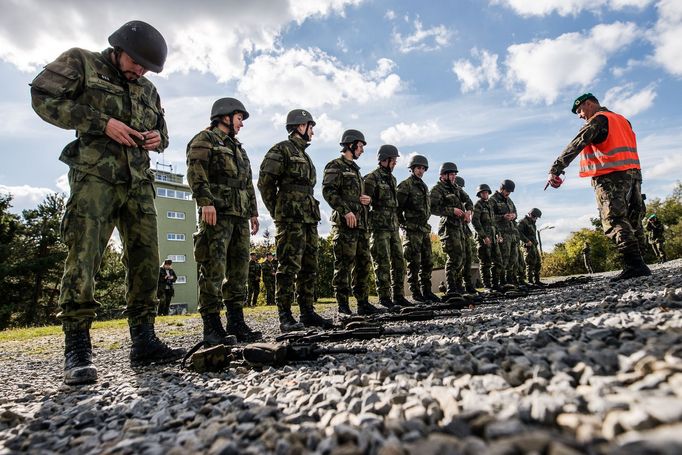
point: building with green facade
(177, 221)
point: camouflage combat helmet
(537, 213)
(418, 160)
(351, 136)
(143, 43)
(298, 117)
(459, 181)
(387, 151)
(448, 167)
(227, 106)
(482, 187)
(508, 185)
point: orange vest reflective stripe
(617, 153)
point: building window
(175, 215)
(177, 257)
(174, 194)
(175, 237)
(182, 279)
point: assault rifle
(413, 313)
(358, 332)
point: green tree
(110, 286)
(9, 288)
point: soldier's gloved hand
(351, 221)
(208, 215)
(254, 225)
(458, 212)
(152, 140)
(555, 181)
(365, 200)
(122, 133)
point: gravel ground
(592, 369)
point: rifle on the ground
(361, 332)
(413, 313)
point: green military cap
(580, 99)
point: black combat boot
(430, 296)
(634, 267)
(344, 307)
(78, 367)
(287, 323)
(236, 325)
(365, 308)
(214, 333)
(386, 302)
(311, 319)
(400, 300)
(147, 348)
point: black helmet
(418, 160)
(143, 43)
(298, 117)
(482, 187)
(508, 185)
(459, 181)
(227, 106)
(387, 151)
(448, 167)
(537, 213)
(350, 136)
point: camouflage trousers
(417, 252)
(389, 263)
(453, 240)
(658, 245)
(269, 286)
(588, 263)
(465, 275)
(165, 296)
(531, 254)
(520, 270)
(297, 246)
(253, 291)
(637, 209)
(352, 263)
(489, 262)
(618, 194)
(222, 253)
(94, 208)
(509, 257)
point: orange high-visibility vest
(617, 153)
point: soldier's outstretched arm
(594, 131)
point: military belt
(300, 188)
(231, 182)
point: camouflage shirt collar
(299, 142)
(223, 136)
(106, 56)
(350, 163)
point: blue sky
(486, 84)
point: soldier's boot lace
(311, 319)
(236, 326)
(634, 267)
(287, 323)
(148, 348)
(344, 307)
(78, 367)
(430, 296)
(400, 300)
(365, 308)
(214, 333)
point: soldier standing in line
(385, 244)
(268, 270)
(287, 184)
(118, 118)
(165, 292)
(254, 280)
(520, 269)
(414, 211)
(587, 258)
(343, 189)
(219, 174)
(486, 238)
(465, 276)
(529, 239)
(504, 212)
(454, 208)
(656, 231)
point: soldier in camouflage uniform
(414, 211)
(587, 258)
(343, 189)
(520, 269)
(656, 231)
(286, 183)
(454, 208)
(385, 244)
(483, 220)
(117, 115)
(219, 174)
(607, 146)
(504, 212)
(465, 275)
(268, 270)
(529, 240)
(253, 285)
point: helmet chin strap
(305, 136)
(230, 126)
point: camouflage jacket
(501, 206)
(219, 174)
(414, 204)
(287, 181)
(380, 185)
(81, 91)
(528, 230)
(268, 270)
(655, 229)
(483, 220)
(342, 186)
(254, 271)
(445, 197)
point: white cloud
(410, 133)
(568, 7)
(25, 196)
(327, 129)
(473, 77)
(312, 78)
(62, 184)
(390, 15)
(544, 68)
(425, 40)
(666, 36)
(625, 101)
